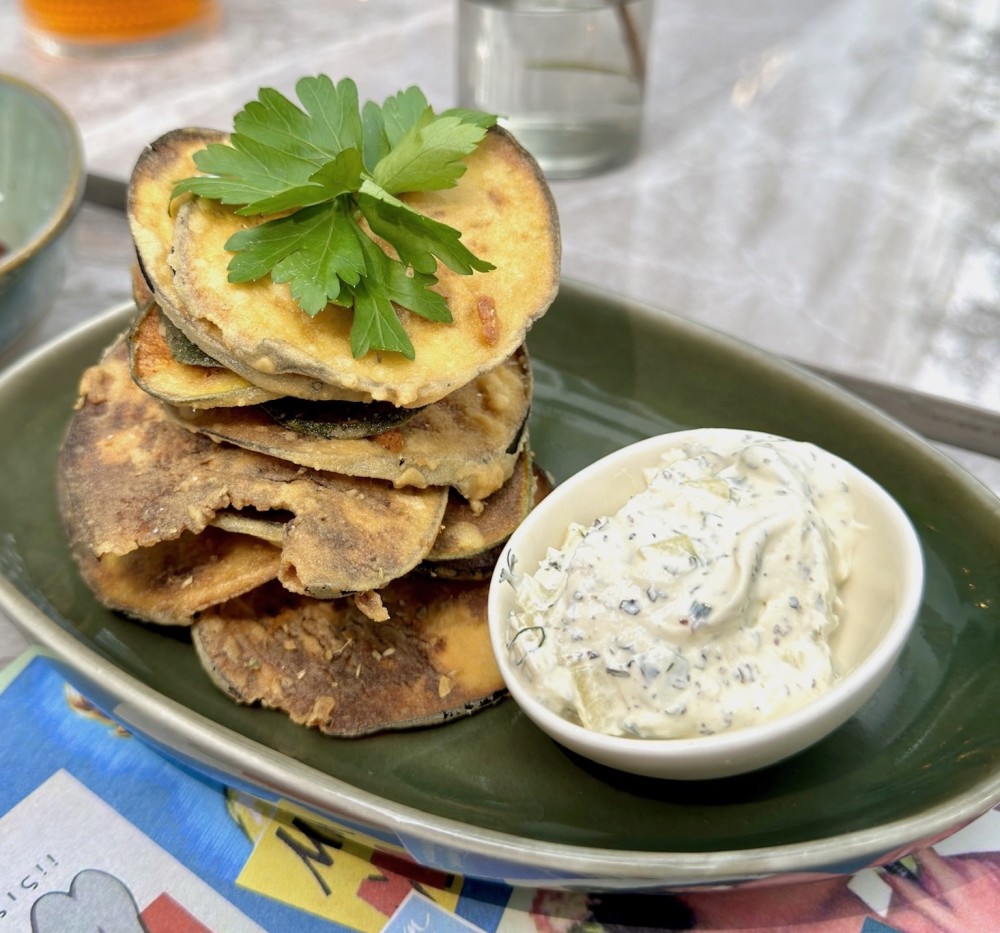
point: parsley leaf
(324, 168)
(417, 238)
(428, 155)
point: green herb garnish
(324, 168)
(528, 628)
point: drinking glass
(566, 77)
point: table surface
(818, 177)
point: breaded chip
(157, 371)
(129, 477)
(469, 440)
(507, 217)
(171, 582)
(328, 666)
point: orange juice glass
(96, 27)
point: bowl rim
(861, 680)
(72, 194)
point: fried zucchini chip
(471, 538)
(326, 665)
(467, 530)
(505, 211)
(142, 292)
(268, 526)
(151, 211)
(171, 582)
(469, 440)
(157, 370)
(337, 418)
(129, 477)
(152, 215)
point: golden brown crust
(160, 166)
(171, 582)
(156, 371)
(506, 214)
(129, 478)
(468, 528)
(328, 666)
(469, 440)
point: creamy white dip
(705, 604)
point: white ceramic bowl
(881, 601)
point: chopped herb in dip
(705, 604)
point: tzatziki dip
(704, 604)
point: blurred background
(819, 177)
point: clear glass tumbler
(566, 77)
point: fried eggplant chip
(152, 215)
(171, 582)
(327, 666)
(167, 365)
(469, 440)
(507, 216)
(156, 370)
(142, 292)
(471, 538)
(129, 477)
(150, 208)
(468, 530)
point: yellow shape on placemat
(314, 865)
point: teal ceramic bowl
(41, 186)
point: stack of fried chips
(325, 526)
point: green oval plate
(491, 796)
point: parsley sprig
(323, 169)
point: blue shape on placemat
(181, 812)
(421, 913)
(871, 925)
